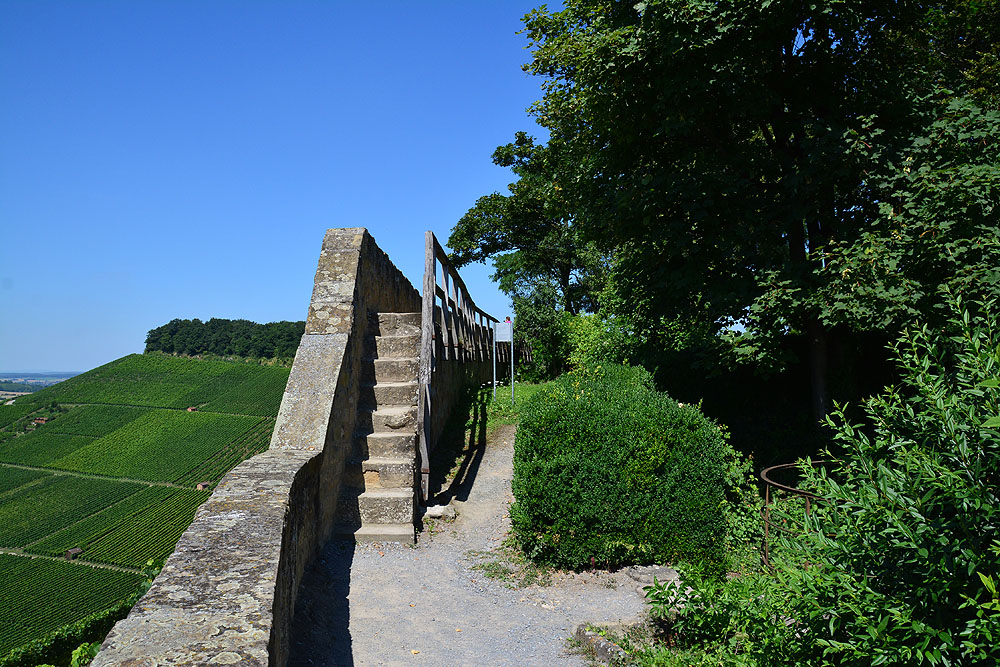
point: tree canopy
(242, 338)
(530, 234)
(797, 169)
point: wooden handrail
(466, 334)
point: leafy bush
(608, 470)
(539, 322)
(899, 564)
(595, 340)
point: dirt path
(432, 605)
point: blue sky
(182, 159)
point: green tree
(531, 235)
(724, 150)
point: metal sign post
(503, 332)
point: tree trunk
(818, 356)
(815, 333)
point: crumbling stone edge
(602, 649)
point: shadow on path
(320, 630)
(463, 443)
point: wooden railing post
(424, 400)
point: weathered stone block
(394, 418)
(388, 473)
(381, 506)
(388, 393)
(398, 324)
(386, 445)
(395, 347)
(389, 370)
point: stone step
(389, 370)
(385, 445)
(396, 324)
(390, 532)
(379, 473)
(388, 419)
(375, 506)
(387, 393)
(393, 347)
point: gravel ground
(390, 604)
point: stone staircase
(378, 494)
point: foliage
(84, 654)
(222, 337)
(938, 226)
(40, 596)
(608, 470)
(898, 565)
(594, 340)
(530, 234)
(731, 156)
(561, 341)
(539, 323)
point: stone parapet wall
(226, 594)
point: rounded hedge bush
(608, 470)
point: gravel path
(389, 604)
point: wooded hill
(242, 338)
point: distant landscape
(112, 464)
(14, 384)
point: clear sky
(182, 159)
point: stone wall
(226, 594)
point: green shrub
(593, 340)
(899, 564)
(543, 326)
(607, 470)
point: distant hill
(108, 462)
(18, 386)
(221, 337)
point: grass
(501, 411)
(507, 563)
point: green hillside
(113, 471)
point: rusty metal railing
(769, 500)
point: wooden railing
(453, 329)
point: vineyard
(41, 447)
(257, 396)
(159, 446)
(12, 478)
(141, 528)
(96, 420)
(11, 413)
(32, 512)
(151, 534)
(111, 472)
(40, 595)
(170, 382)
